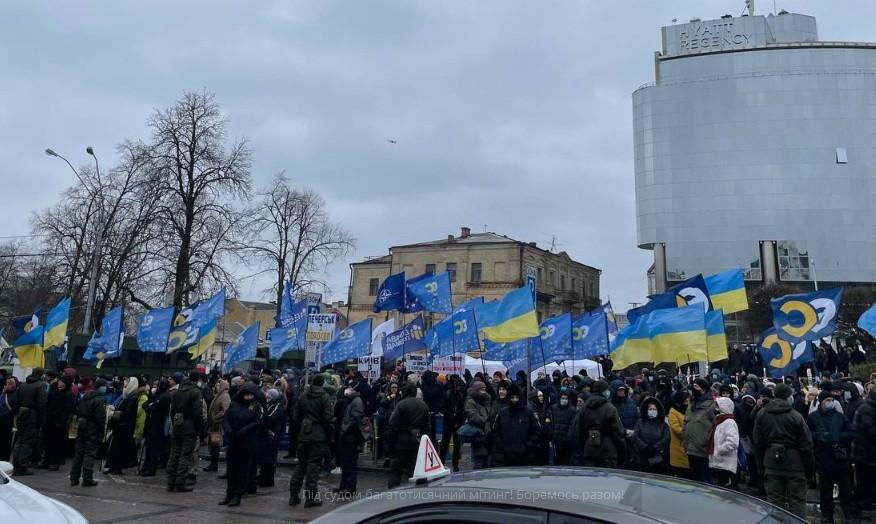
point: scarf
(718, 420)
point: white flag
(377, 337)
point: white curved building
(756, 147)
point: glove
(630, 433)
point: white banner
(416, 363)
(452, 365)
(321, 327)
(369, 367)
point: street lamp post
(98, 246)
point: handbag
(366, 429)
(469, 434)
(215, 439)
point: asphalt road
(131, 499)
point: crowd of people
(779, 439)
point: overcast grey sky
(507, 113)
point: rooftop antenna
(750, 5)
(554, 244)
(485, 228)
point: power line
(23, 236)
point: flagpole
(480, 347)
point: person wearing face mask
(698, 422)
(783, 445)
(541, 445)
(516, 432)
(651, 437)
(91, 419)
(832, 436)
(562, 418)
(241, 424)
(123, 422)
(600, 432)
(454, 417)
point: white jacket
(726, 440)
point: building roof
(252, 304)
(473, 238)
(385, 259)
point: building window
(562, 282)
(793, 261)
(451, 271)
(553, 278)
(842, 156)
(430, 268)
(475, 272)
(373, 285)
(573, 288)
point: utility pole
(98, 245)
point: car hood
(19, 503)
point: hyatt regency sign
(712, 35)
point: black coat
(832, 436)
(157, 410)
(652, 436)
(865, 431)
(122, 450)
(269, 435)
(410, 417)
(58, 409)
(562, 419)
(516, 433)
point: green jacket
(600, 415)
(187, 416)
(782, 441)
(477, 413)
(315, 415)
(91, 415)
(698, 421)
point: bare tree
(200, 177)
(120, 205)
(291, 235)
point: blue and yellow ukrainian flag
(56, 325)
(727, 291)
(632, 344)
(206, 338)
(514, 318)
(717, 338)
(678, 335)
(29, 348)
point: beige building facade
(480, 264)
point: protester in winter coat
(745, 422)
(625, 406)
(215, 418)
(723, 445)
(677, 456)
(350, 440)
(154, 433)
(832, 436)
(783, 444)
(269, 436)
(32, 399)
(477, 414)
(58, 412)
(864, 450)
(517, 433)
(409, 421)
(241, 424)
(316, 429)
(651, 437)
(454, 417)
(542, 412)
(8, 411)
(600, 431)
(91, 423)
(187, 420)
(698, 422)
(562, 418)
(122, 450)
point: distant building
(754, 148)
(240, 314)
(480, 264)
